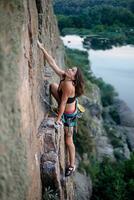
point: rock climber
(70, 87)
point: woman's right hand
(59, 122)
(40, 45)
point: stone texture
(22, 75)
(26, 140)
(130, 137)
(119, 136)
(126, 115)
(28, 137)
(98, 139)
(83, 187)
(53, 160)
(104, 148)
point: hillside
(76, 6)
(109, 19)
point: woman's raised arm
(51, 61)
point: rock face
(83, 187)
(22, 76)
(100, 144)
(126, 115)
(32, 151)
(126, 122)
(53, 161)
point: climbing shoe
(70, 170)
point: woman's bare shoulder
(67, 86)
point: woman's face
(71, 72)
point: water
(115, 66)
(73, 42)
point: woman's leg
(54, 91)
(70, 145)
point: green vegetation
(108, 92)
(50, 194)
(115, 115)
(114, 181)
(75, 6)
(113, 19)
(99, 15)
(92, 168)
(76, 31)
(111, 180)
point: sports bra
(70, 99)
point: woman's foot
(69, 170)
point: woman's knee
(53, 87)
(53, 91)
(69, 141)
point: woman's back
(71, 102)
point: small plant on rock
(50, 194)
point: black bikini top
(70, 99)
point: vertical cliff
(25, 142)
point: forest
(69, 7)
(97, 17)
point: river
(115, 66)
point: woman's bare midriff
(70, 108)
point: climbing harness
(80, 110)
(69, 170)
(69, 120)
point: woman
(71, 86)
